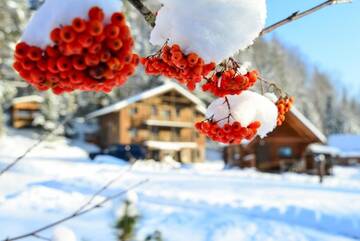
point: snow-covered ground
(199, 203)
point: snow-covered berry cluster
(172, 62)
(230, 82)
(87, 55)
(284, 105)
(230, 133)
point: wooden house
(349, 148)
(162, 119)
(24, 110)
(289, 147)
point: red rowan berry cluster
(87, 55)
(230, 133)
(188, 69)
(284, 105)
(228, 80)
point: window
(154, 132)
(167, 114)
(154, 110)
(133, 133)
(133, 111)
(285, 152)
(176, 134)
(178, 110)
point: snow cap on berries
(245, 108)
(54, 13)
(214, 29)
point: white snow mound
(62, 233)
(214, 29)
(54, 13)
(246, 108)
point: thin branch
(41, 237)
(104, 188)
(77, 214)
(149, 16)
(41, 140)
(297, 15)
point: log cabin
(294, 146)
(24, 110)
(161, 119)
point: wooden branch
(151, 17)
(145, 11)
(297, 15)
(100, 204)
(41, 140)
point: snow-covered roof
(308, 124)
(323, 149)
(30, 98)
(349, 145)
(147, 94)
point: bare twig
(76, 214)
(41, 237)
(41, 140)
(149, 16)
(104, 188)
(297, 15)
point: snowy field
(197, 203)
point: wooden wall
(22, 114)
(132, 123)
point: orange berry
(37, 76)
(118, 19)
(34, 53)
(28, 64)
(114, 64)
(92, 59)
(253, 76)
(52, 51)
(175, 48)
(42, 64)
(79, 25)
(176, 56)
(96, 13)
(114, 44)
(192, 58)
(95, 48)
(95, 27)
(255, 125)
(135, 59)
(18, 66)
(112, 31)
(21, 50)
(52, 66)
(63, 64)
(55, 35)
(86, 40)
(78, 63)
(105, 56)
(67, 34)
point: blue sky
(329, 39)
